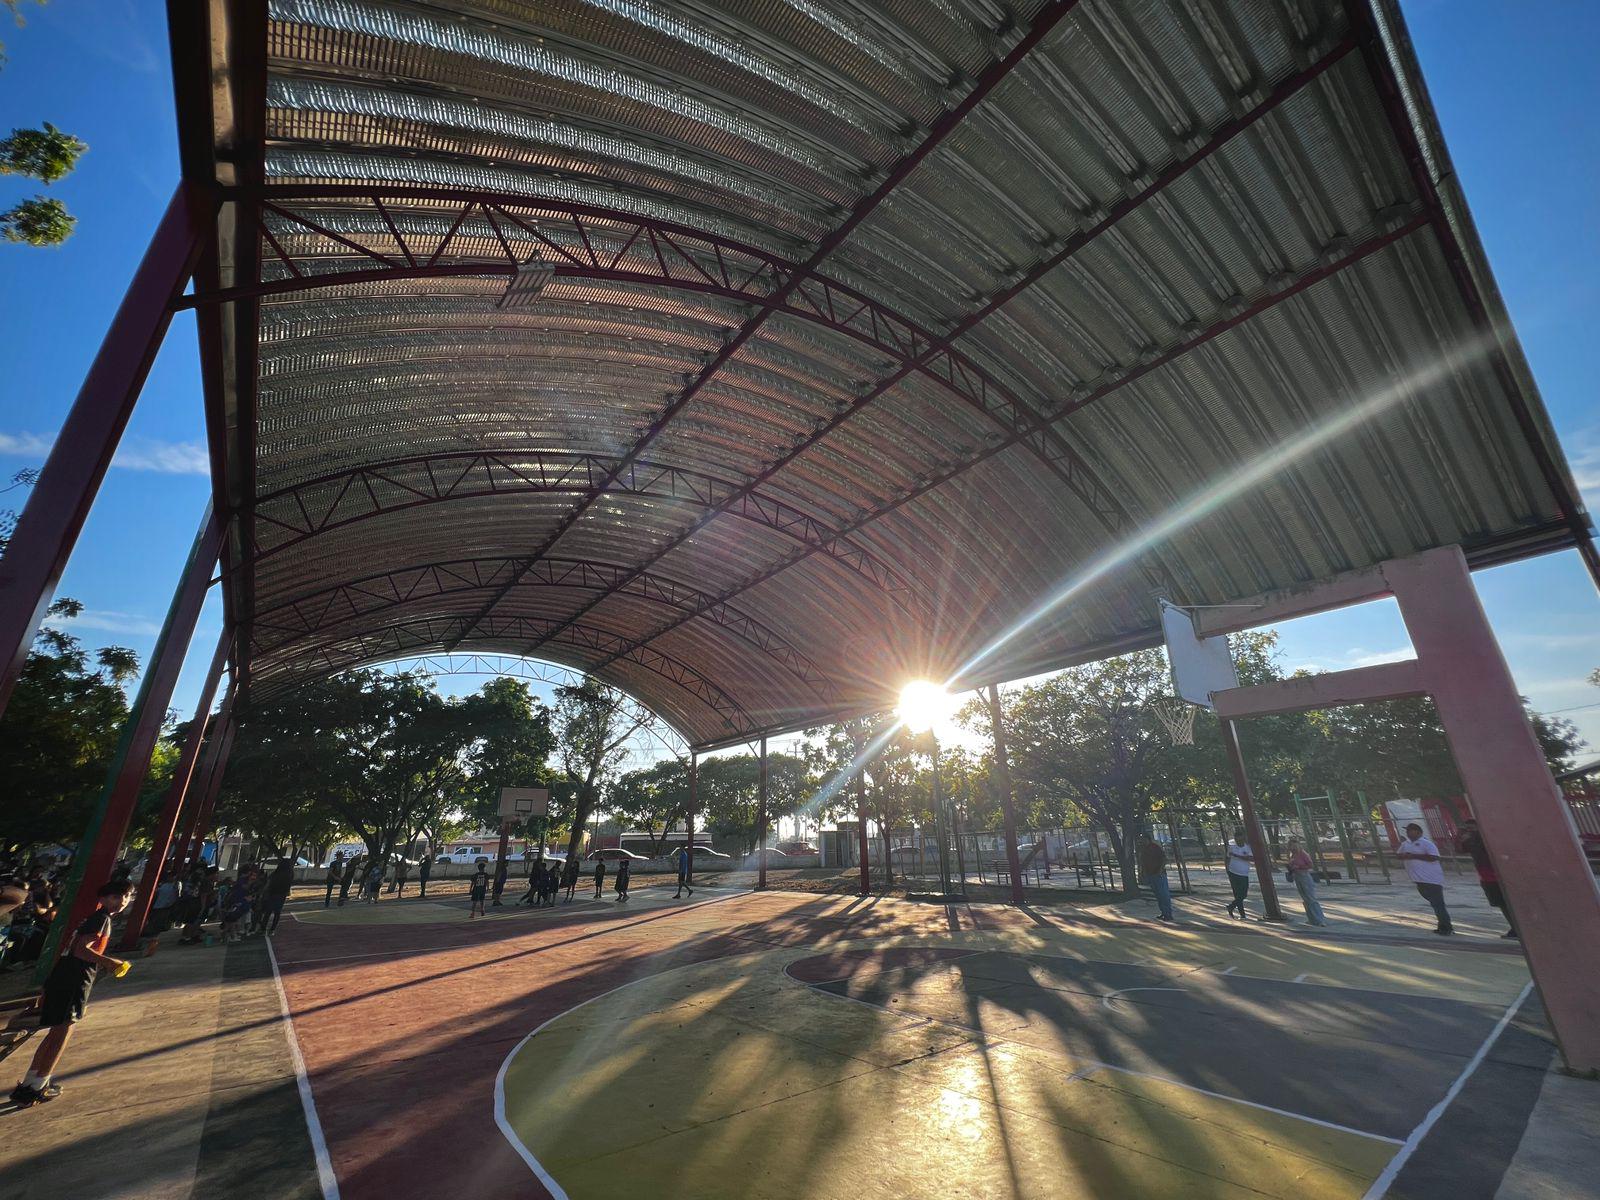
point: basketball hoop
(1176, 717)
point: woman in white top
(1240, 861)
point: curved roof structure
(755, 356)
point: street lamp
(923, 707)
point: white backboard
(1200, 665)
(519, 804)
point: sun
(925, 705)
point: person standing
(479, 891)
(402, 870)
(1240, 860)
(685, 869)
(1153, 873)
(335, 872)
(1421, 859)
(599, 877)
(502, 868)
(570, 873)
(350, 870)
(66, 992)
(1472, 842)
(277, 891)
(425, 870)
(622, 881)
(374, 883)
(1302, 873)
(161, 907)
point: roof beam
(1367, 248)
(429, 634)
(948, 122)
(367, 490)
(323, 611)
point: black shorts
(64, 997)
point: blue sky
(1514, 85)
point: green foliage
(513, 740)
(58, 735)
(592, 724)
(39, 221)
(653, 799)
(730, 792)
(45, 154)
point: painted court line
(1300, 978)
(987, 1036)
(319, 1144)
(1380, 1185)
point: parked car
(615, 854)
(702, 852)
(465, 856)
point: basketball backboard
(1200, 666)
(522, 804)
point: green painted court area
(1100, 1061)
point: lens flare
(1230, 487)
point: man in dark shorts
(278, 886)
(335, 873)
(425, 870)
(66, 992)
(685, 872)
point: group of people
(370, 871)
(548, 878)
(1417, 853)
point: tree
(656, 797)
(730, 792)
(38, 221)
(373, 752)
(512, 740)
(592, 724)
(45, 154)
(59, 732)
(26, 477)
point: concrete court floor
(750, 1045)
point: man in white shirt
(1421, 859)
(1240, 861)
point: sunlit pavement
(783, 1044)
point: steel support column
(54, 515)
(694, 789)
(861, 827)
(1252, 824)
(108, 824)
(1526, 822)
(761, 822)
(161, 840)
(199, 813)
(1002, 766)
(225, 728)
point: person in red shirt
(1488, 878)
(66, 992)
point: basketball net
(1176, 717)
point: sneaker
(26, 1096)
(1444, 932)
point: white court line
(319, 1145)
(1300, 978)
(987, 1036)
(1230, 970)
(1380, 1185)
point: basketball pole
(1252, 825)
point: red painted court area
(718, 1015)
(403, 1027)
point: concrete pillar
(1521, 813)
(761, 822)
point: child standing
(622, 880)
(599, 877)
(480, 891)
(66, 992)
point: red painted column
(59, 504)
(102, 841)
(222, 731)
(861, 828)
(1252, 825)
(1525, 822)
(761, 822)
(161, 841)
(1008, 812)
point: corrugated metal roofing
(870, 323)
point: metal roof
(753, 356)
